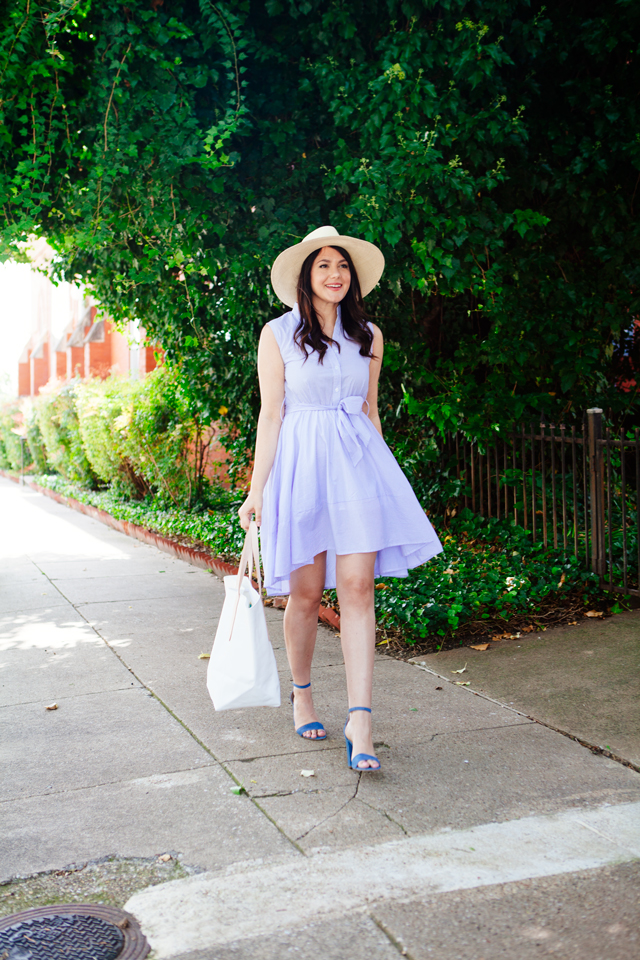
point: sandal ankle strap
(366, 709)
(301, 686)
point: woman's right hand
(252, 506)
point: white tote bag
(242, 668)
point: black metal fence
(577, 488)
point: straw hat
(367, 259)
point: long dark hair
(309, 335)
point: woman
(337, 509)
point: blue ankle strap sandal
(354, 761)
(308, 726)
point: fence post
(596, 477)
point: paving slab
(128, 566)
(17, 569)
(187, 813)
(27, 595)
(456, 780)
(587, 915)
(462, 779)
(49, 654)
(331, 820)
(355, 938)
(162, 644)
(583, 679)
(37, 528)
(91, 740)
(243, 902)
(179, 585)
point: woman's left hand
(251, 507)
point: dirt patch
(111, 881)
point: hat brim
(367, 259)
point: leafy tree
(169, 150)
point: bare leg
(300, 631)
(358, 631)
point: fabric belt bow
(352, 430)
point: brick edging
(195, 556)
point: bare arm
(271, 377)
(374, 375)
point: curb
(196, 557)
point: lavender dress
(334, 484)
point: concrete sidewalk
(475, 802)
(583, 679)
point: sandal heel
(316, 725)
(352, 761)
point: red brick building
(89, 345)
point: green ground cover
(488, 573)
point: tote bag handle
(249, 558)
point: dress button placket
(337, 375)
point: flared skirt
(325, 496)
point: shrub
(100, 404)
(164, 438)
(35, 440)
(57, 418)
(10, 445)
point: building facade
(69, 339)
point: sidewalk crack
(393, 940)
(385, 814)
(332, 815)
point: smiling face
(330, 277)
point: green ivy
(489, 568)
(170, 151)
(216, 527)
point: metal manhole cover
(72, 931)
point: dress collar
(296, 315)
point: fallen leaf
(165, 856)
(438, 688)
(460, 671)
(561, 580)
(594, 613)
(479, 646)
(307, 773)
(462, 683)
(573, 623)
(52, 706)
(204, 656)
(528, 629)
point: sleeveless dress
(334, 484)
